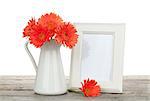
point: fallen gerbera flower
(90, 88)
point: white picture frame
(110, 38)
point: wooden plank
(20, 88)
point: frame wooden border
(118, 30)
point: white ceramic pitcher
(50, 78)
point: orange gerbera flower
(39, 36)
(50, 21)
(66, 35)
(90, 88)
(28, 29)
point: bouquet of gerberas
(50, 27)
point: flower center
(87, 90)
(65, 34)
(42, 36)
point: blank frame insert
(97, 56)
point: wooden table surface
(20, 88)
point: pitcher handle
(30, 55)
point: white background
(14, 15)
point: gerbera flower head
(90, 88)
(28, 29)
(39, 36)
(50, 21)
(66, 35)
